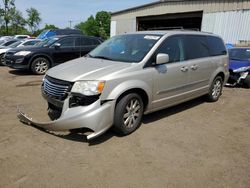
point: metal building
(228, 18)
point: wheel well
(222, 75)
(139, 91)
(38, 56)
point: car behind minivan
(130, 75)
(50, 52)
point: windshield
(42, 34)
(240, 54)
(15, 44)
(47, 42)
(125, 48)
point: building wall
(232, 26)
(229, 18)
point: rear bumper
(95, 117)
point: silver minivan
(130, 75)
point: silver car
(130, 75)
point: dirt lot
(196, 144)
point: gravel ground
(195, 144)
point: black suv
(50, 52)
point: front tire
(128, 114)
(215, 89)
(39, 65)
(1, 59)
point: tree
(98, 26)
(33, 20)
(103, 20)
(90, 27)
(17, 21)
(9, 5)
(50, 26)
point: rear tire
(215, 89)
(247, 81)
(39, 65)
(128, 114)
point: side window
(29, 43)
(67, 42)
(216, 46)
(86, 42)
(196, 47)
(172, 46)
(95, 42)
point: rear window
(196, 47)
(216, 46)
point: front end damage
(73, 111)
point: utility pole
(70, 23)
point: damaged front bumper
(96, 117)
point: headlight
(22, 53)
(88, 88)
(242, 69)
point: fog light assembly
(19, 60)
(82, 100)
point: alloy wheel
(132, 113)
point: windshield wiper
(237, 59)
(102, 57)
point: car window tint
(216, 46)
(30, 43)
(67, 42)
(95, 42)
(196, 47)
(172, 46)
(86, 41)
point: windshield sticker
(151, 37)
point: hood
(236, 64)
(87, 69)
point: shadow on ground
(147, 119)
(21, 72)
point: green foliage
(6, 12)
(12, 21)
(50, 26)
(17, 22)
(34, 19)
(103, 20)
(98, 26)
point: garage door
(187, 20)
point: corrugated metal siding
(232, 26)
(207, 6)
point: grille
(56, 89)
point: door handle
(184, 69)
(194, 67)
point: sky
(59, 12)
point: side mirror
(57, 45)
(162, 59)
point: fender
(126, 86)
(39, 55)
(219, 70)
